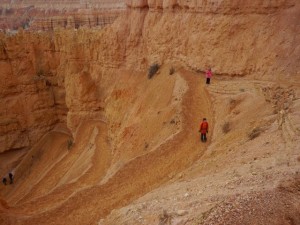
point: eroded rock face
(31, 98)
(63, 76)
(133, 134)
(48, 15)
(63, 4)
(87, 18)
(215, 6)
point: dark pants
(203, 137)
(11, 178)
(207, 80)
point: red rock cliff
(61, 77)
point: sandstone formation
(100, 143)
(63, 4)
(48, 15)
(73, 20)
(215, 6)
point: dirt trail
(32, 168)
(139, 176)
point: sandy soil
(145, 164)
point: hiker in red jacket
(208, 75)
(203, 130)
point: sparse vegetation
(232, 101)
(254, 133)
(70, 144)
(165, 218)
(172, 71)
(153, 70)
(203, 216)
(146, 146)
(40, 73)
(226, 127)
(172, 121)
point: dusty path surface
(249, 174)
(251, 161)
(83, 167)
(83, 202)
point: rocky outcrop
(31, 98)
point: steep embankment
(250, 172)
(132, 135)
(128, 182)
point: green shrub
(226, 127)
(70, 144)
(153, 70)
(172, 71)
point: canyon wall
(215, 6)
(48, 15)
(66, 76)
(48, 21)
(64, 4)
(31, 100)
(261, 44)
(73, 20)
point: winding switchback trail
(136, 178)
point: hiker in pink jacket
(208, 75)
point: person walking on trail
(208, 75)
(203, 130)
(4, 180)
(11, 177)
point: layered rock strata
(215, 6)
(32, 100)
(73, 21)
(64, 4)
(48, 15)
(44, 67)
